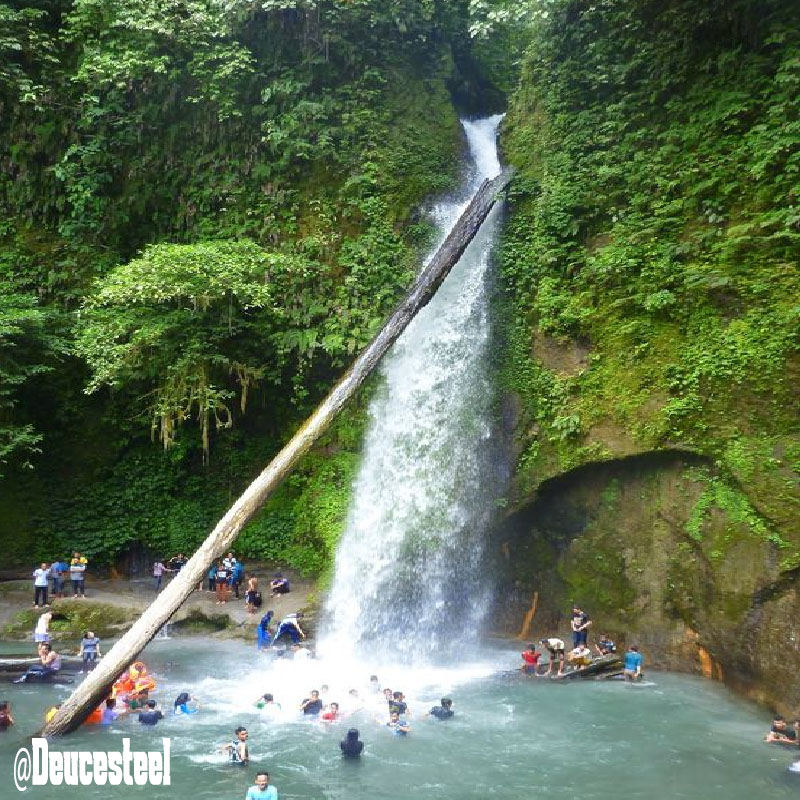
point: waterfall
(408, 579)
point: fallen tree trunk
(599, 666)
(98, 683)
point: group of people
(225, 578)
(580, 656)
(314, 706)
(51, 578)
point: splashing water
(408, 570)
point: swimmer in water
(632, 666)
(262, 790)
(444, 711)
(398, 703)
(181, 704)
(530, 660)
(399, 726)
(267, 703)
(237, 749)
(311, 706)
(150, 714)
(351, 746)
(110, 713)
(6, 720)
(332, 714)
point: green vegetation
(206, 209)
(654, 230)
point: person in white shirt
(42, 631)
(41, 577)
(555, 647)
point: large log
(97, 684)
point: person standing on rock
(77, 574)
(251, 595)
(57, 571)
(89, 652)
(41, 576)
(223, 573)
(158, 573)
(237, 574)
(42, 631)
(579, 623)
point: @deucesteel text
(91, 768)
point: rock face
(621, 539)
(649, 270)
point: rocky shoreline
(113, 604)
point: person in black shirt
(151, 715)
(579, 623)
(352, 746)
(444, 711)
(312, 705)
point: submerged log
(97, 684)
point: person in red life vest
(530, 660)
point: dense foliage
(206, 208)
(651, 256)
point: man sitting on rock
(581, 656)
(605, 647)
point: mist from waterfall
(409, 580)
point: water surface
(512, 737)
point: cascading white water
(408, 575)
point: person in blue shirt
(110, 712)
(262, 790)
(89, 652)
(399, 726)
(263, 636)
(633, 664)
(57, 571)
(237, 573)
(181, 705)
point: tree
(26, 347)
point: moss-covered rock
(72, 617)
(648, 549)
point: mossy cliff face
(622, 540)
(653, 300)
